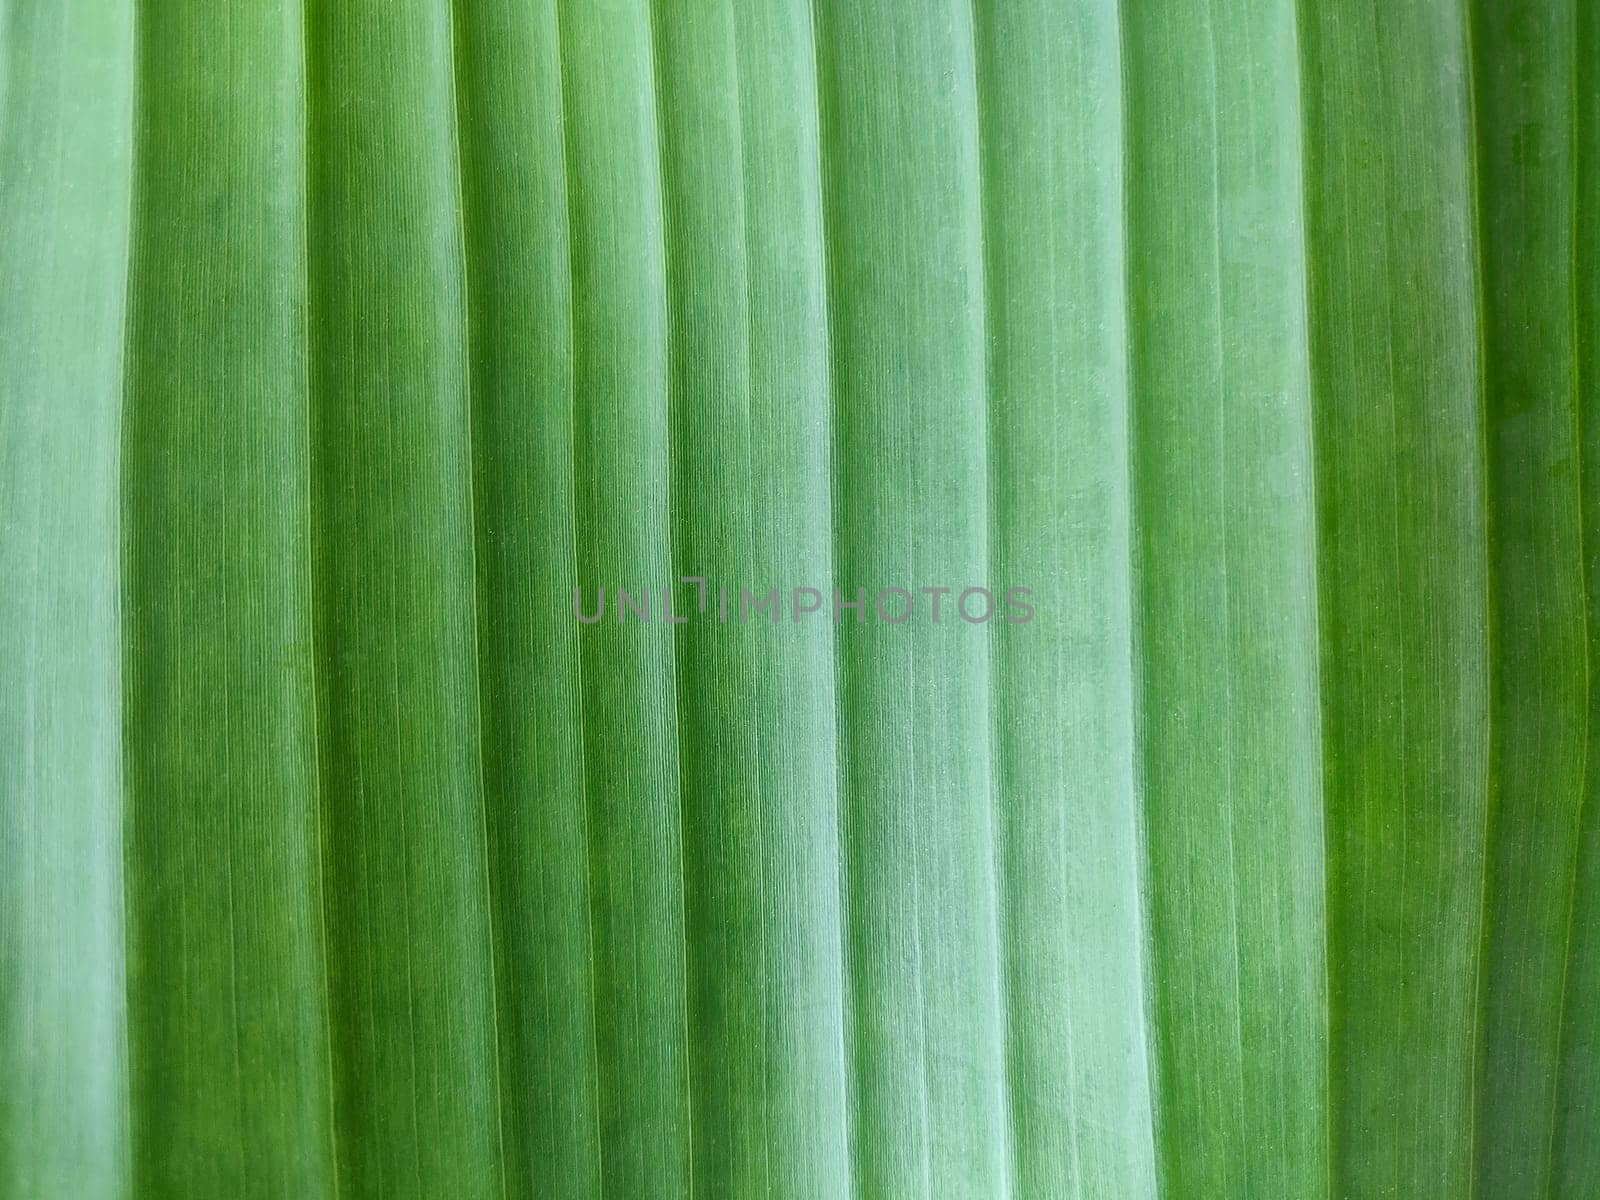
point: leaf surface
(354, 355)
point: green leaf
(344, 345)
(1227, 603)
(1404, 589)
(66, 77)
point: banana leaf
(708, 599)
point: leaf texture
(1405, 590)
(65, 159)
(354, 355)
(1230, 746)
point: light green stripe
(906, 272)
(66, 84)
(630, 700)
(1050, 81)
(1229, 736)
